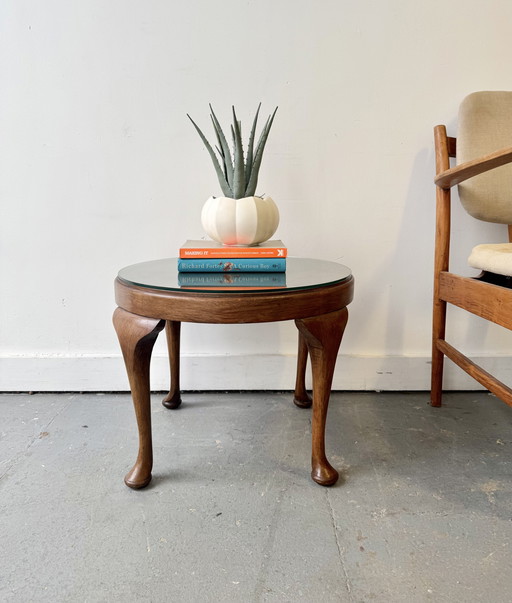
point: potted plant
(240, 217)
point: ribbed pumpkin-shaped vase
(247, 221)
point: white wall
(100, 168)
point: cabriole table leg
(301, 397)
(173, 331)
(323, 335)
(137, 336)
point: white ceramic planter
(247, 221)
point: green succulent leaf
(253, 181)
(250, 147)
(233, 138)
(226, 189)
(226, 154)
(221, 154)
(239, 168)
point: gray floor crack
(341, 550)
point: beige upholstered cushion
(495, 258)
(485, 126)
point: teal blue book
(240, 280)
(233, 265)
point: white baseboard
(225, 372)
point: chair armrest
(466, 170)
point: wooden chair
(483, 148)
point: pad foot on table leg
(303, 402)
(137, 478)
(324, 474)
(172, 400)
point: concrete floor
(423, 512)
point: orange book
(211, 249)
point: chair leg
(438, 332)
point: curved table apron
(319, 311)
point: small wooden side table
(150, 297)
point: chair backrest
(485, 126)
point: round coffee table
(153, 295)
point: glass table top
(301, 273)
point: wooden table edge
(224, 308)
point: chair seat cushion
(495, 257)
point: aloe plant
(237, 174)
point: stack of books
(211, 264)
